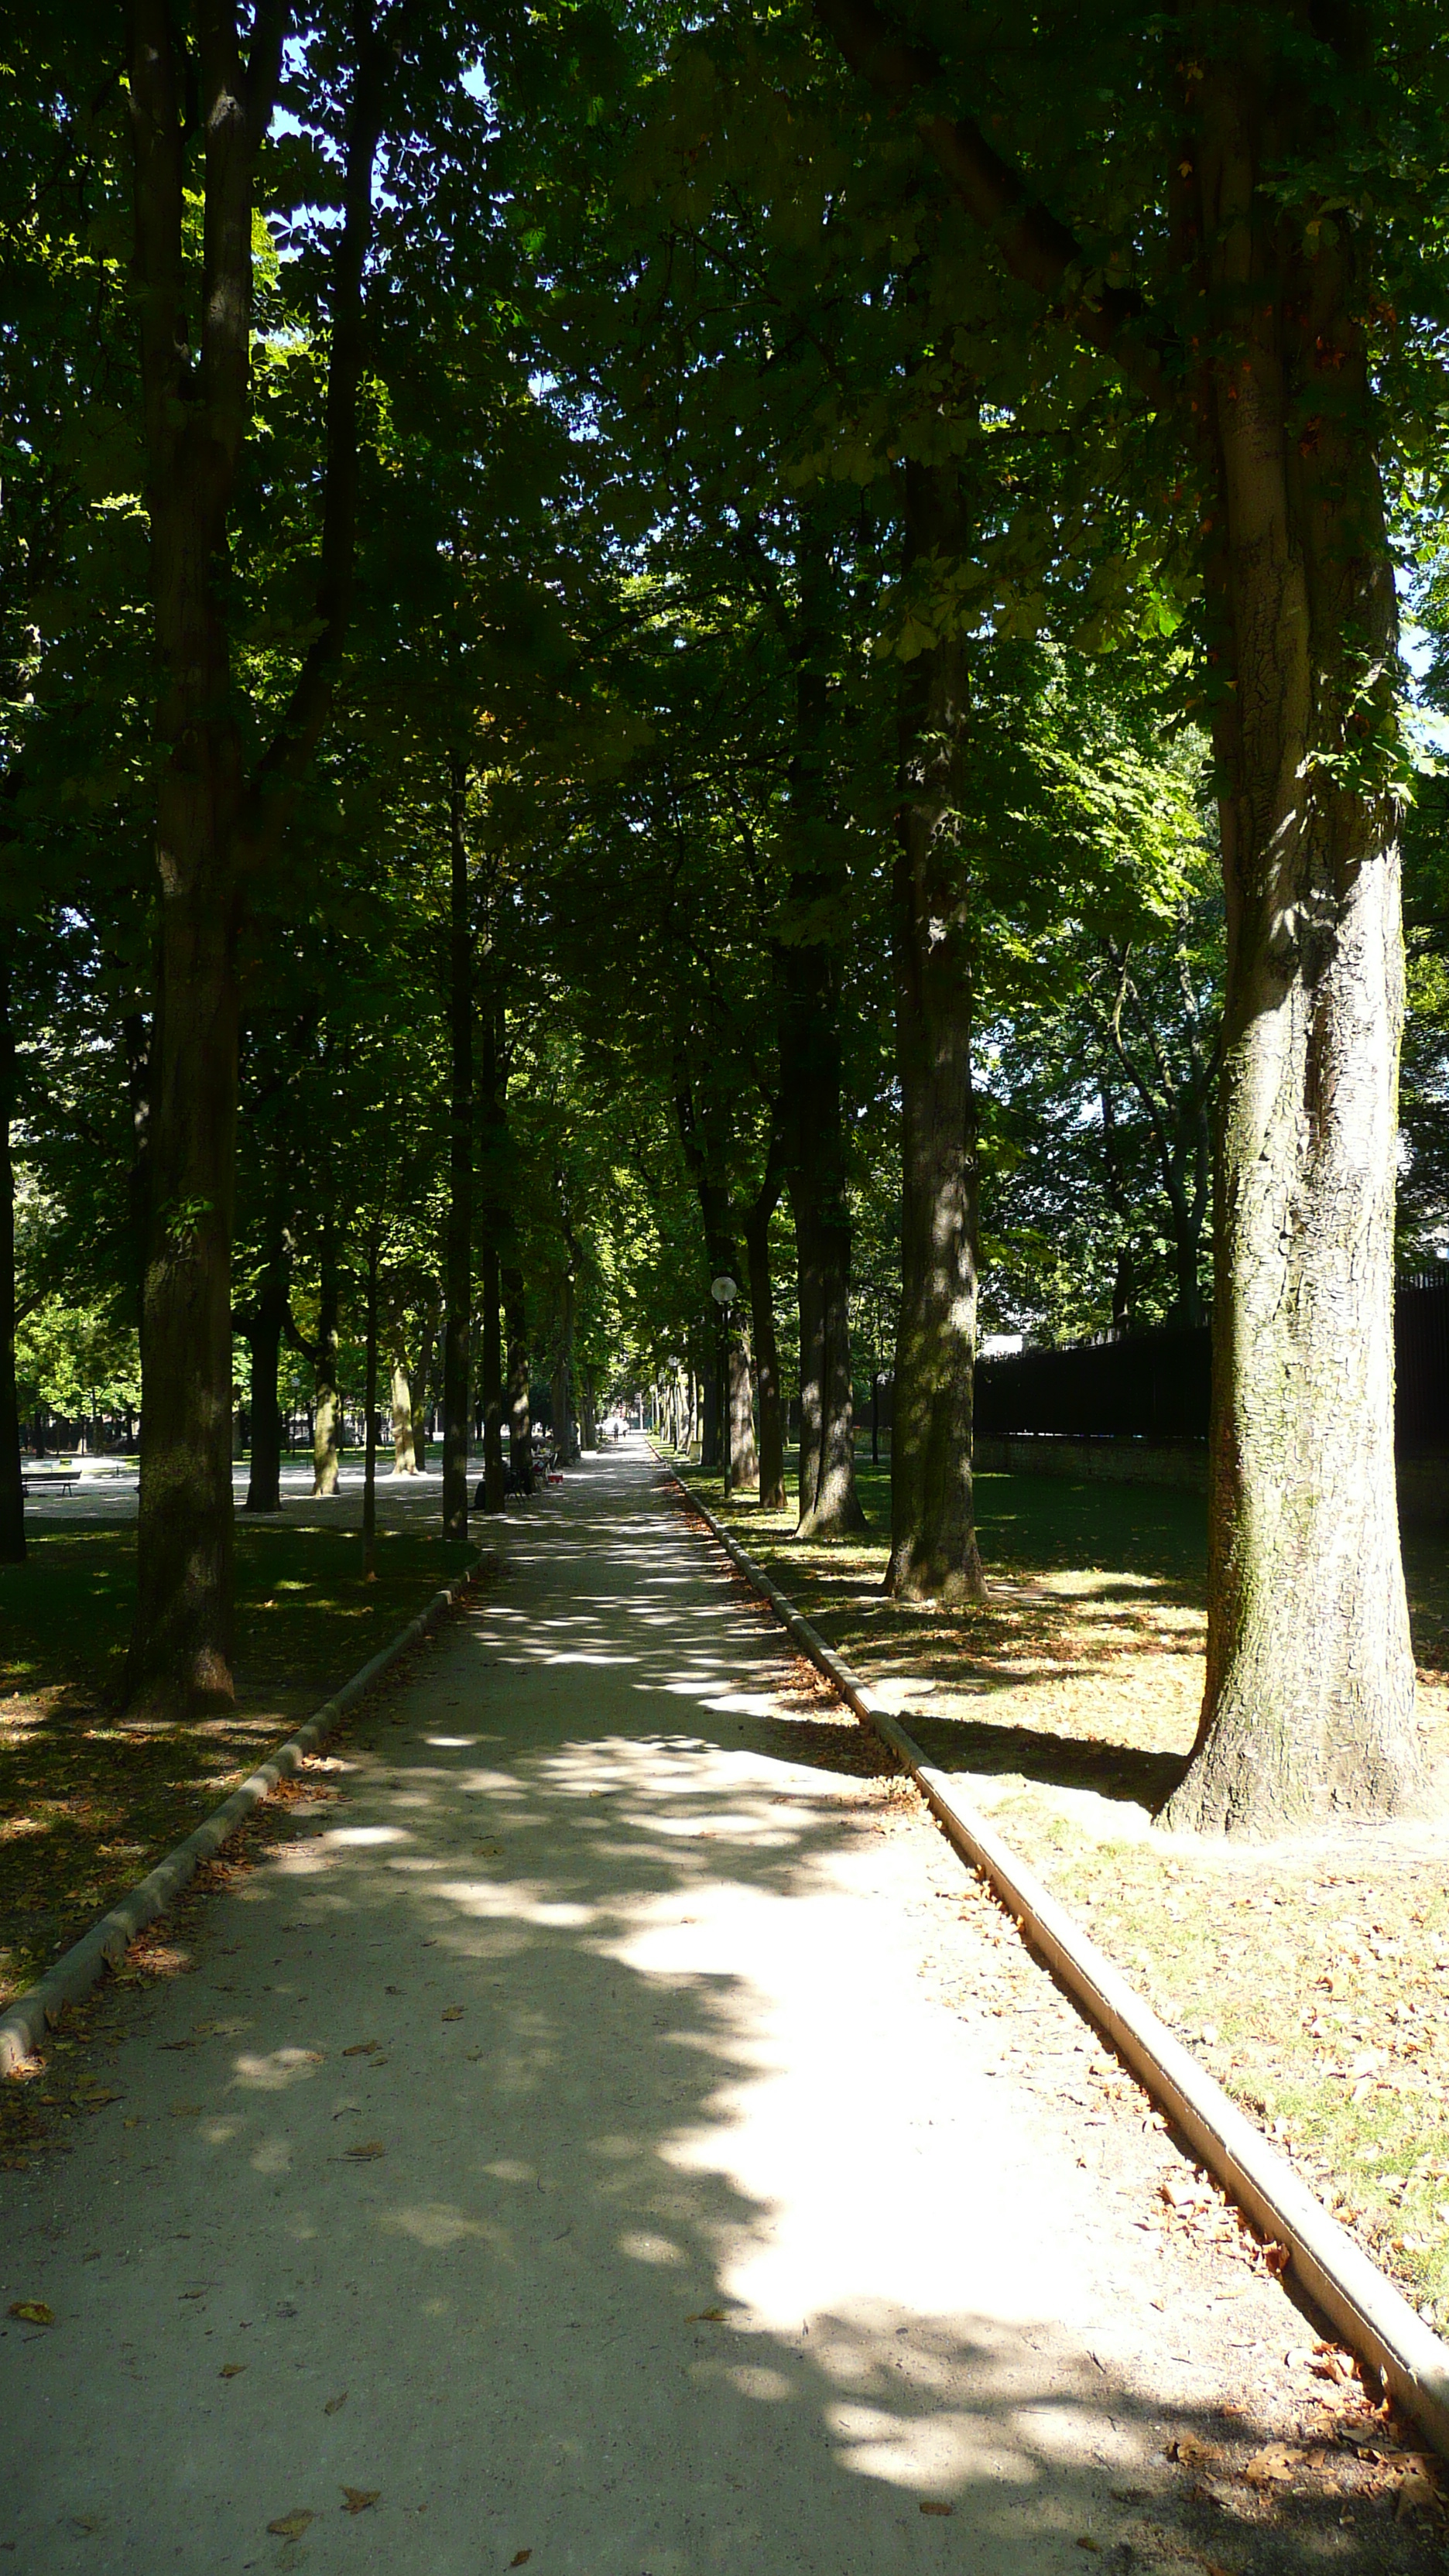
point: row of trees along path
(810, 525)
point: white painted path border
(24, 2023)
(1372, 2316)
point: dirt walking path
(614, 2137)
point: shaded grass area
(88, 1803)
(1312, 1977)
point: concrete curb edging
(24, 2023)
(1372, 2316)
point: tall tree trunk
(404, 1456)
(705, 1145)
(493, 1489)
(520, 1423)
(711, 1442)
(459, 1263)
(136, 1037)
(495, 1176)
(213, 824)
(808, 977)
(369, 1434)
(1309, 1704)
(762, 1326)
(933, 1530)
(323, 1354)
(264, 1329)
(181, 1644)
(588, 1417)
(12, 1482)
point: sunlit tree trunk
(933, 1533)
(404, 1459)
(1309, 1704)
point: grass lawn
(88, 1803)
(1311, 1976)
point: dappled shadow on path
(593, 2131)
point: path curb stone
(23, 2024)
(1370, 2313)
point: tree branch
(273, 787)
(1035, 246)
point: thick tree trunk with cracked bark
(1309, 1705)
(933, 1527)
(215, 824)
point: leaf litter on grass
(1312, 1978)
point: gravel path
(611, 2135)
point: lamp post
(724, 1291)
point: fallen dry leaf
(1278, 2465)
(1085, 2541)
(365, 2154)
(520, 2558)
(706, 2317)
(231, 2370)
(290, 2526)
(357, 2499)
(1276, 2258)
(335, 2403)
(937, 2508)
(32, 2312)
(1413, 2476)
(363, 2048)
(453, 2013)
(1190, 2453)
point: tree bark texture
(369, 1399)
(808, 973)
(705, 1144)
(711, 1440)
(493, 1488)
(322, 1353)
(404, 1456)
(933, 1528)
(12, 1482)
(456, 1370)
(762, 1327)
(1309, 1704)
(520, 1423)
(214, 823)
(495, 1180)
